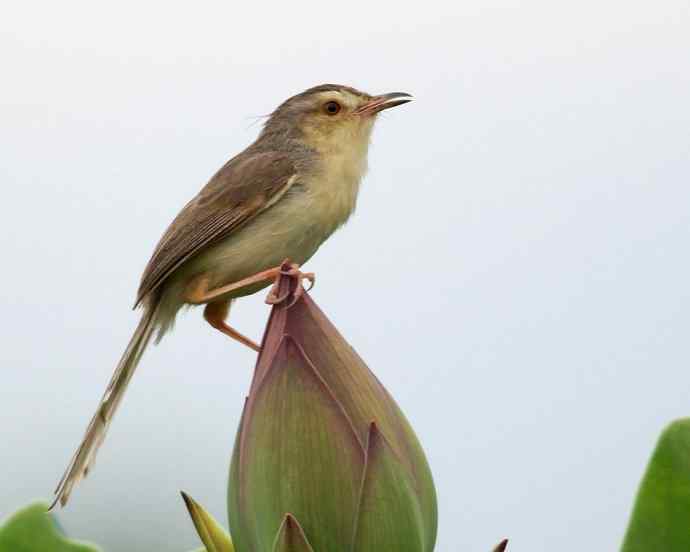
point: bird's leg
(216, 313)
(198, 291)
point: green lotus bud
(660, 517)
(324, 459)
(211, 533)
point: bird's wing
(247, 185)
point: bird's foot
(291, 270)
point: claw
(273, 299)
(292, 272)
(312, 279)
(299, 291)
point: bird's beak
(384, 101)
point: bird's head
(331, 116)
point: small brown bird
(280, 198)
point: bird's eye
(331, 108)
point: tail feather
(83, 460)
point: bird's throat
(334, 185)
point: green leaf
(33, 529)
(390, 517)
(660, 520)
(214, 537)
(290, 537)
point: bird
(280, 198)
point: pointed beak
(384, 101)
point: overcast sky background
(517, 272)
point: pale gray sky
(517, 267)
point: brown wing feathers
(245, 186)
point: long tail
(85, 456)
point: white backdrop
(516, 272)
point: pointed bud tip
(290, 520)
(212, 534)
(291, 536)
(501, 546)
(188, 501)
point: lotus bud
(324, 459)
